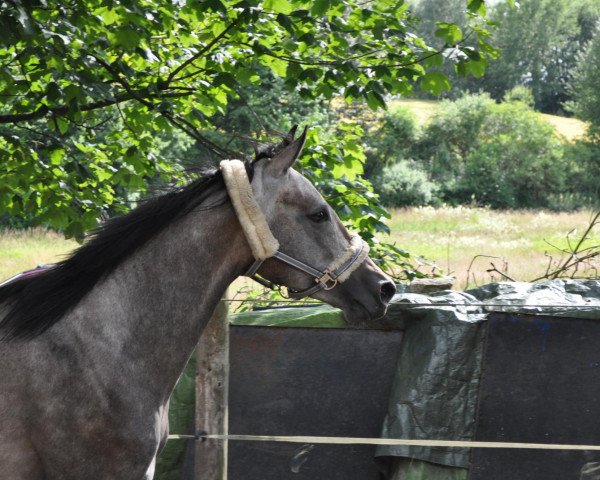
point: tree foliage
(584, 87)
(476, 151)
(539, 40)
(93, 90)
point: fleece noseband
(264, 245)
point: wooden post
(212, 384)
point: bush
(517, 162)
(500, 155)
(474, 150)
(453, 131)
(583, 158)
(520, 93)
(392, 141)
(404, 184)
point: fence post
(212, 384)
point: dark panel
(294, 381)
(540, 384)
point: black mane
(36, 303)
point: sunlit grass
(570, 128)
(422, 109)
(521, 240)
(24, 249)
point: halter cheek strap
(264, 245)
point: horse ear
(283, 160)
(289, 138)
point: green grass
(451, 237)
(569, 128)
(22, 250)
(454, 237)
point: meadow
(24, 249)
(522, 243)
(463, 242)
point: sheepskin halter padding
(264, 245)
(255, 226)
(356, 244)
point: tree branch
(575, 257)
(198, 54)
(337, 63)
(62, 110)
(187, 127)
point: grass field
(451, 237)
(21, 250)
(521, 240)
(569, 128)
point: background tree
(539, 41)
(94, 90)
(584, 86)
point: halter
(264, 245)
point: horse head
(301, 243)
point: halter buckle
(327, 280)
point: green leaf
(56, 156)
(278, 66)
(127, 37)
(476, 6)
(375, 100)
(435, 82)
(53, 92)
(62, 124)
(279, 6)
(476, 68)
(449, 32)
(319, 7)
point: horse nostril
(388, 290)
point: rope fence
(441, 304)
(385, 441)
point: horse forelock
(270, 149)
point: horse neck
(149, 313)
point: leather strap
(324, 280)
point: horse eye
(320, 216)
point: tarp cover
(437, 379)
(315, 316)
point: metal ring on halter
(328, 281)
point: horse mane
(36, 303)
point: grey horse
(92, 348)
